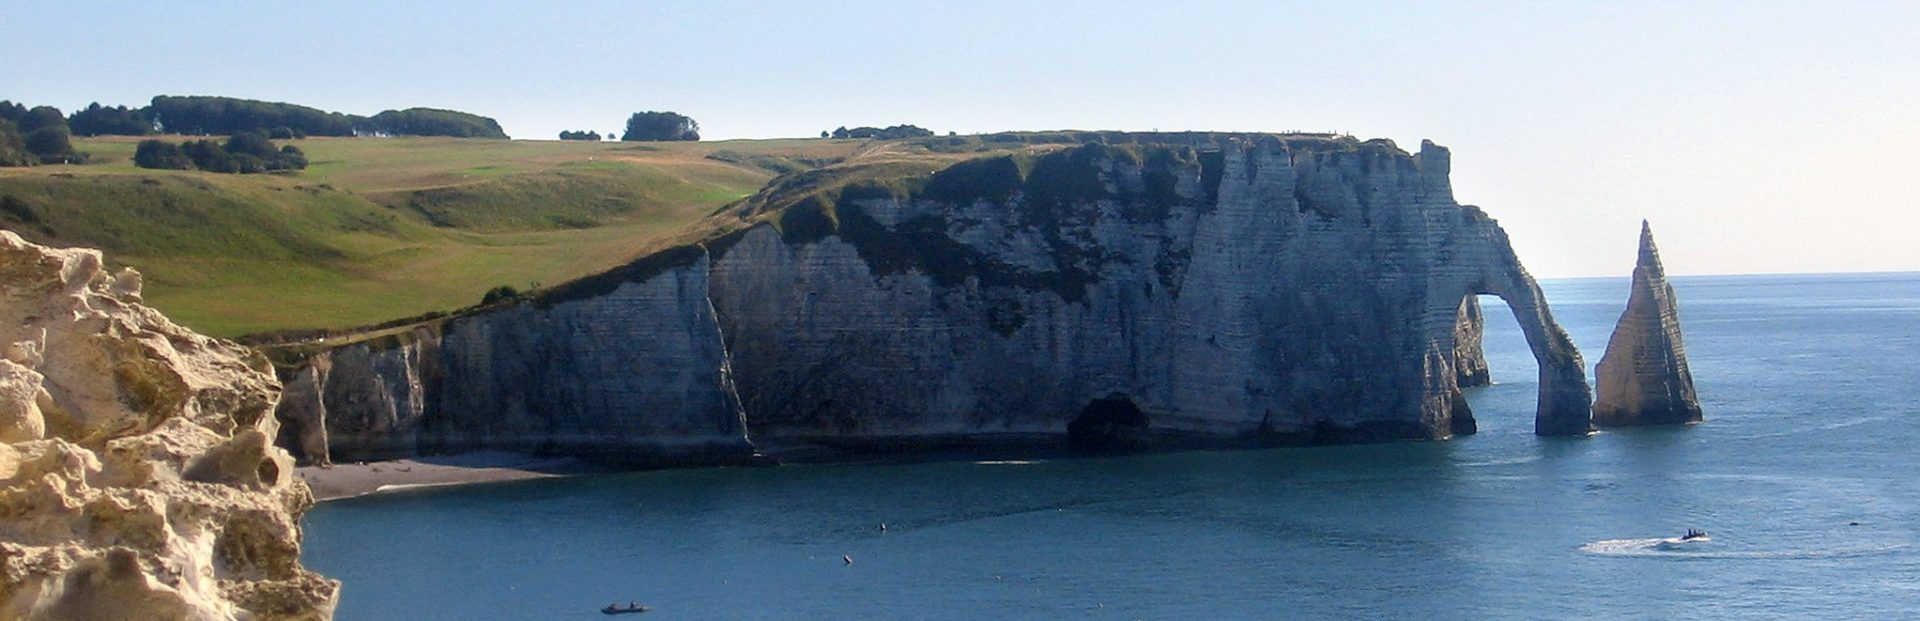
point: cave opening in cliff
(1113, 424)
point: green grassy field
(377, 229)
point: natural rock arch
(1565, 406)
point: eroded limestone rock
(136, 480)
(1643, 378)
(629, 369)
(1469, 358)
(1244, 289)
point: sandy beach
(347, 480)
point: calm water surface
(1808, 382)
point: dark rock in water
(1643, 378)
(1232, 290)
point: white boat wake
(1703, 547)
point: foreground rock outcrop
(1643, 378)
(1184, 289)
(137, 474)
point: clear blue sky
(1757, 136)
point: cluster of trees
(570, 135)
(661, 126)
(244, 152)
(227, 115)
(879, 133)
(200, 115)
(98, 120)
(37, 135)
(434, 122)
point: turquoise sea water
(1808, 382)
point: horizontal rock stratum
(1643, 377)
(1153, 290)
(137, 475)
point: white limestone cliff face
(1186, 290)
(1272, 291)
(631, 371)
(1643, 378)
(137, 476)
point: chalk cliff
(629, 368)
(1643, 378)
(137, 476)
(1163, 289)
(1469, 360)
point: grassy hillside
(378, 229)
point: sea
(1804, 475)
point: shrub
(244, 152)
(879, 133)
(162, 155)
(52, 145)
(498, 294)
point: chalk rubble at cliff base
(137, 474)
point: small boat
(1694, 534)
(616, 609)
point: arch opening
(1563, 404)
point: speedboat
(1692, 536)
(616, 609)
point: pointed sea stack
(1643, 377)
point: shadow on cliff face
(1110, 425)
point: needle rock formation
(137, 475)
(1643, 378)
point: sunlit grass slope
(378, 229)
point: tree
(244, 152)
(11, 112)
(249, 143)
(162, 155)
(13, 150)
(98, 120)
(226, 115)
(580, 135)
(41, 117)
(825, 133)
(435, 122)
(52, 145)
(661, 126)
